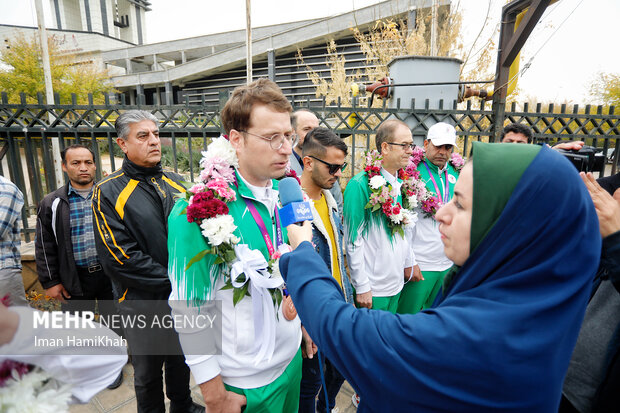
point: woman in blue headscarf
(523, 234)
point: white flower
(410, 217)
(377, 182)
(397, 218)
(413, 201)
(219, 230)
(221, 148)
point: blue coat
(500, 337)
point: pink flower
(216, 168)
(417, 156)
(197, 188)
(222, 189)
(457, 160)
(430, 205)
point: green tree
(606, 88)
(21, 70)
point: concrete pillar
(183, 57)
(140, 98)
(128, 66)
(157, 97)
(104, 18)
(271, 64)
(169, 97)
(411, 20)
(154, 67)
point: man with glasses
(260, 361)
(324, 161)
(440, 177)
(379, 261)
(303, 121)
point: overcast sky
(574, 40)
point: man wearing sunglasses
(303, 121)
(324, 161)
(379, 260)
(440, 177)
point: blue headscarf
(501, 336)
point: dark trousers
(148, 383)
(148, 359)
(95, 286)
(311, 385)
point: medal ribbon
(446, 194)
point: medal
(288, 308)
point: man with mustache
(131, 208)
(440, 177)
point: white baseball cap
(442, 133)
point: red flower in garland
(204, 206)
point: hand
(9, 322)
(364, 299)
(607, 207)
(416, 276)
(232, 403)
(298, 234)
(308, 348)
(220, 400)
(58, 292)
(569, 146)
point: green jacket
(425, 176)
(185, 240)
(356, 216)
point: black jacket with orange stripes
(131, 208)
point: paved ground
(123, 399)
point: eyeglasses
(276, 141)
(405, 146)
(332, 168)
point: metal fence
(26, 131)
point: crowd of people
(430, 284)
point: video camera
(587, 159)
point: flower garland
(207, 206)
(25, 388)
(382, 195)
(429, 203)
(413, 190)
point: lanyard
(263, 229)
(446, 194)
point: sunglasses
(332, 168)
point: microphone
(294, 209)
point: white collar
(388, 176)
(264, 194)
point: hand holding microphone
(295, 213)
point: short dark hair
(385, 131)
(237, 111)
(518, 128)
(294, 116)
(318, 139)
(63, 153)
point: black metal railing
(27, 130)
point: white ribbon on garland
(252, 263)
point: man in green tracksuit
(259, 365)
(440, 176)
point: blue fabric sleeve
(347, 336)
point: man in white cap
(440, 177)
